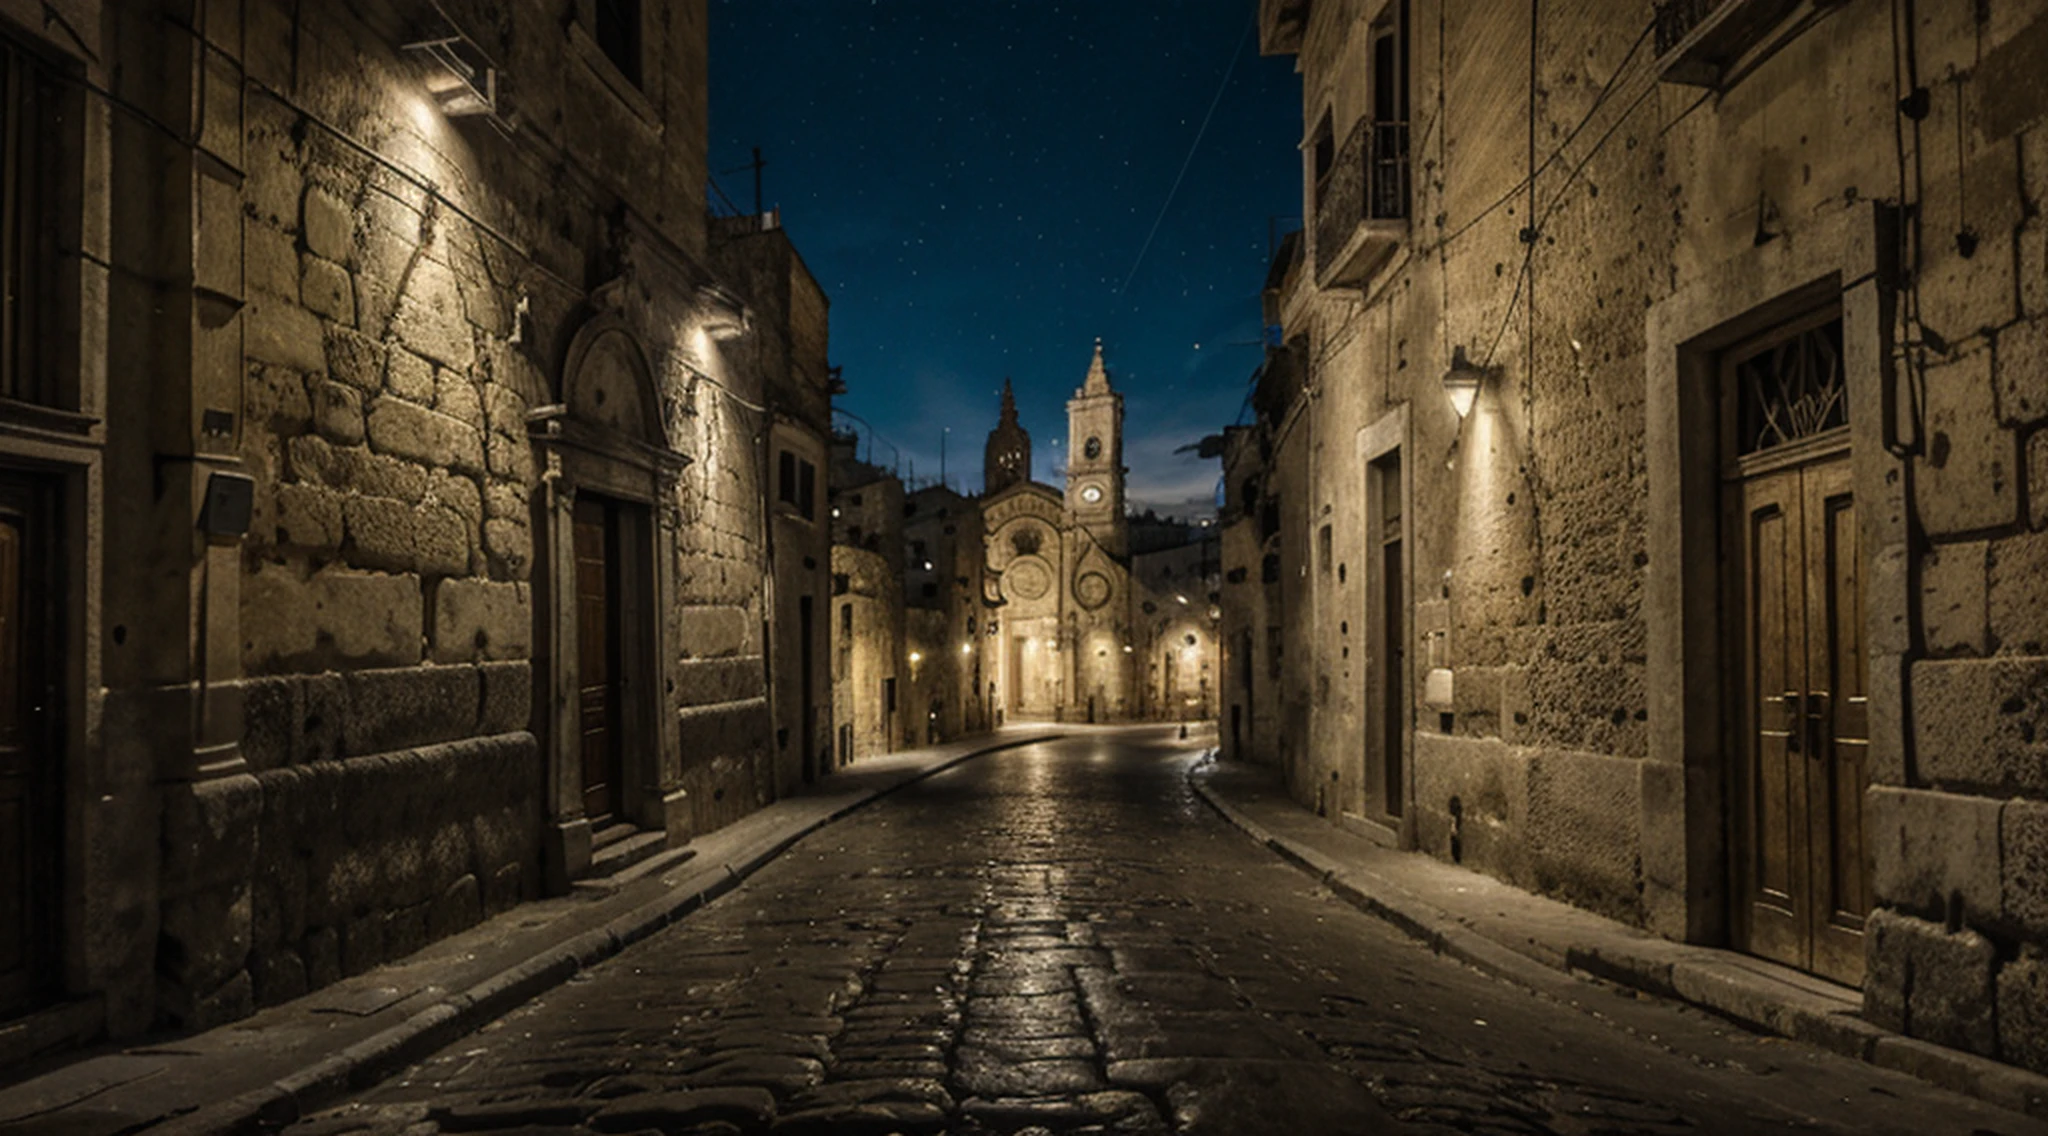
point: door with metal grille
(1802, 697)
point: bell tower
(1006, 460)
(1095, 458)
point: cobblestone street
(1063, 938)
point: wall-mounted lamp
(1463, 380)
(725, 315)
(916, 657)
(461, 77)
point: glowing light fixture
(462, 78)
(967, 648)
(725, 315)
(1463, 380)
(916, 657)
(1182, 599)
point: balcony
(1705, 43)
(1362, 204)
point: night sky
(973, 182)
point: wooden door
(1805, 719)
(1386, 768)
(28, 807)
(597, 653)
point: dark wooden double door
(602, 542)
(29, 801)
(1804, 719)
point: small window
(1269, 569)
(787, 488)
(807, 490)
(1324, 153)
(846, 619)
(1093, 449)
(29, 204)
(888, 696)
(617, 32)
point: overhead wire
(1189, 160)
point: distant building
(870, 663)
(1074, 636)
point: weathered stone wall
(1589, 235)
(868, 653)
(1173, 592)
(948, 529)
(404, 290)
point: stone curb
(1696, 978)
(359, 1066)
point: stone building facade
(384, 468)
(944, 613)
(1644, 508)
(789, 315)
(870, 664)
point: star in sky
(973, 185)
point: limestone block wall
(869, 656)
(1592, 252)
(410, 288)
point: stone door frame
(1389, 435)
(579, 457)
(1687, 853)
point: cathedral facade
(1058, 576)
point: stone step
(611, 834)
(616, 863)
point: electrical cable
(1190, 159)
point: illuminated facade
(441, 433)
(1068, 630)
(1643, 505)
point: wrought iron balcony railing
(1365, 189)
(1676, 19)
(1706, 43)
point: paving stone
(981, 1076)
(743, 1106)
(510, 1114)
(883, 1119)
(783, 1074)
(925, 1090)
(1126, 1110)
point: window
(1093, 449)
(786, 469)
(888, 696)
(1323, 152)
(27, 234)
(616, 28)
(1791, 387)
(807, 490)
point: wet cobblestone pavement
(1062, 939)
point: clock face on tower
(1092, 494)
